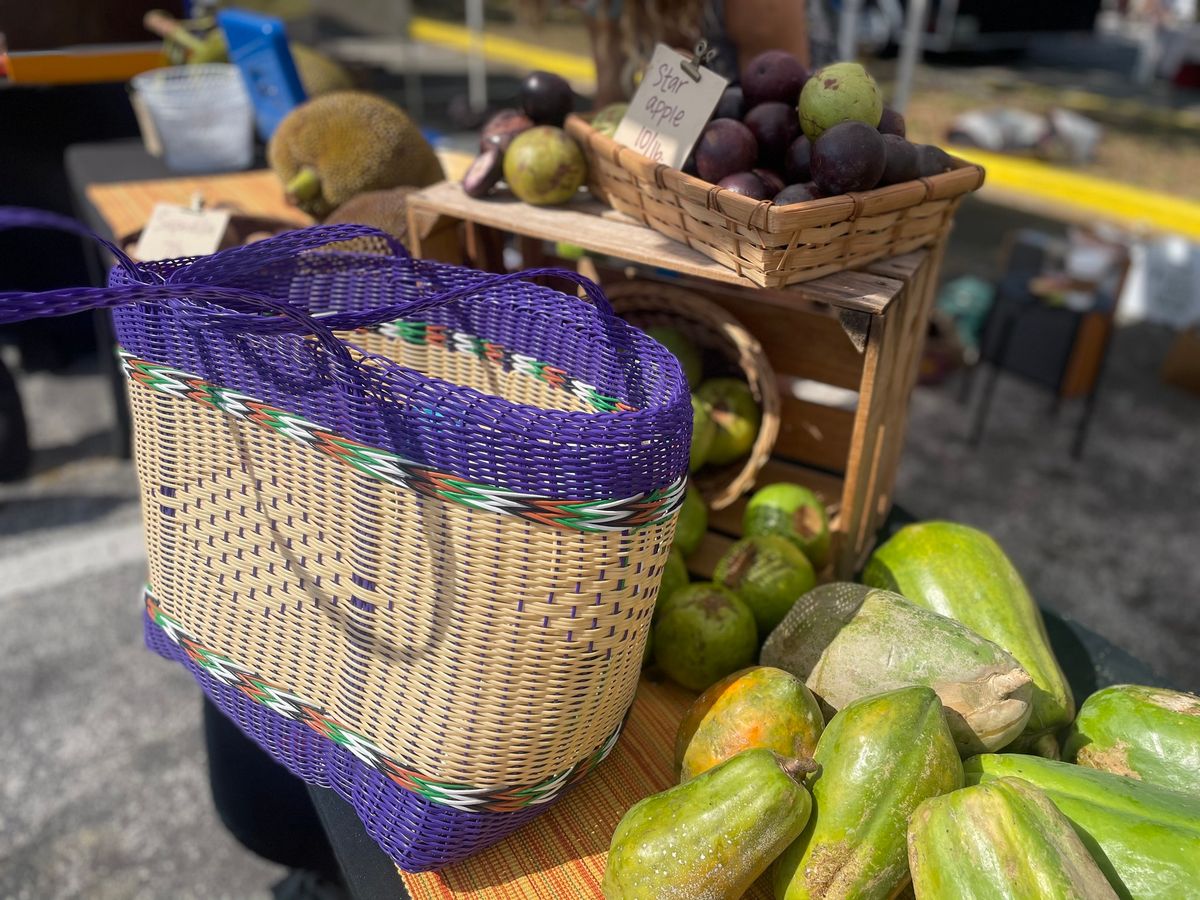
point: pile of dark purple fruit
(788, 136)
(528, 148)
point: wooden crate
(845, 347)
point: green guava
(794, 512)
(544, 166)
(703, 432)
(841, 92)
(705, 634)
(692, 523)
(736, 416)
(769, 574)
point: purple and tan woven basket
(405, 521)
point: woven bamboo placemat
(561, 854)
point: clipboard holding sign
(671, 107)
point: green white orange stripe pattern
(624, 514)
(424, 334)
(291, 706)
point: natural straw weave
(774, 246)
(424, 577)
(727, 349)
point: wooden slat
(703, 562)
(905, 369)
(901, 268)
(893, 354)
(596, 228)
(433, 236)
(814, 434)
(862, 449)
(1083, 368)
(804, 343)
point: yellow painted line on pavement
(570, 66)
(1108, 201)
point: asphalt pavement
(103, 787)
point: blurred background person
(624, 33)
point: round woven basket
(728, 349)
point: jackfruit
(385, 210)
(345, 143)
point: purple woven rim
(418, 835)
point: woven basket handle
(278, 250)
(19, 306)
(390, 313)
(22, 217)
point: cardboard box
(1182, 365)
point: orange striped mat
(560, 855)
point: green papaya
(879, 758)
(1003, 840)
(1148, 733)
(755, 707)
(711, 836)
(962, 573)
(1146, 839)
(848, 642)
(1037, 745)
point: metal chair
(1025, 336)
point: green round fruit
(674, 579)
(692, 523)
(609, 119)
(769, 574)
(705, 634)
(735, 415)
(703, 432)
(793, 512)
(842, 92)
(682, 349)
(564, 250)
(544, 165)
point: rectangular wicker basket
(773, 246)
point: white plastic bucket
(202, 115)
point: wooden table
(845, 348)
(126, 205)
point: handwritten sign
(670, 108)
(175, 231)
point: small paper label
(175, 231)
(670, 108)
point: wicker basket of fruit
(735, 399)
(780, 206)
